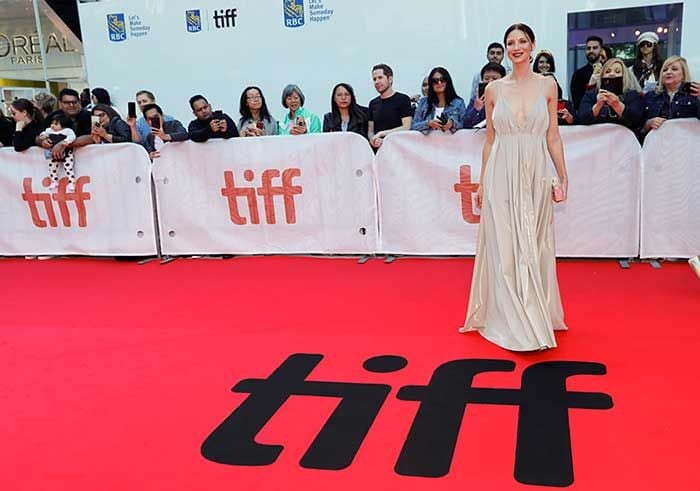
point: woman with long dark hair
(27, 124)
(346, 114)
(442, 109)
(514, 300)
(255, 117)
(647, 61)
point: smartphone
(482, 88)
(155, 122)
(685, 88)
(443, 118)
(300, 121)
(613, 84)
(132, 110)
(260, 125)
(218, 114)
(561, 104)
(95, 121)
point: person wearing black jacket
(582, 77)
(346, 114)
(162, 131)
(27, 124)
(209, 124)
(69, 105)
(7, 128)
(602, 106)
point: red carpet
(115, 375)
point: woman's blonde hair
(629, 82)
(660, 87)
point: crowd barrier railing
(328, 194)
(110, 213)
(427, 193)
(670, 224)
(282, 195)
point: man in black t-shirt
(389, 112)
(80, 122)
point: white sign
(110, 212)
(428, 184)
(671, 190)
(276, 194)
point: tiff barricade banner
(427, 193)
(109, 213)
(282, 195)
(671, 190)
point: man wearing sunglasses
(69, 106)
(581, 77)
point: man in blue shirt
(143, 99)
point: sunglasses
(437, 80)
(645, 44)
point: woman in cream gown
(514, 300)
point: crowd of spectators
(604, 90)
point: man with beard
(582, 76)
(390, 111)
(79, 119)
(494, 54)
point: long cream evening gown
(514, 300)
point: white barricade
(671, 190)
(110, 213)
(277, 194)
(427, 187)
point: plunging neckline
(515, 117)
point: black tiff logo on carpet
(543, 451)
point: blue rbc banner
(116, 27)
(193, 20)
(293, 13)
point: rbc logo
(293, 13)
(193, 19)
(116, 27)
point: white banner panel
(671, 190)
(277, 194)
(110, 213)
(427, 188)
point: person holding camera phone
(107, 127)
(675, 95)
(615, 99)
(162, 131)
(209, 124)
(297, 120)
(255, 116)
(476, 112)
(140, 128)
(442, 109)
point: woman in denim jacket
(602, 106)
(675, 95)
(442, 109)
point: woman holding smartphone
(107, 126)
(255, 117)
(442, 109)
(615, 99)
(297, 120)
(514, 300)
(675, 95)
